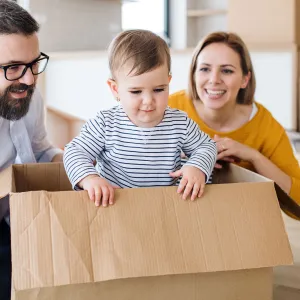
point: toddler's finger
(111, 196)
(182, 185)
(196, 190)
(105, 196)
(201, 190)
(176, 174)
(218, 166)
(98, 195)
(187, 191)
(91, 194)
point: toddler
(138, 143)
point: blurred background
(76, 33)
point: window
(24, 4)
(147, 14)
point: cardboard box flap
(46, 176)
(6, 181)
(62, 238)
(287, 203)
(231, 173)
(234, 173)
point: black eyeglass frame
(29, 65)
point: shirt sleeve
(200, 148)
(81, 152)
(42, 148)
(283, 157)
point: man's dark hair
(16, 20)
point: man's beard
(14, 109)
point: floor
(287, 278)
(285, 293)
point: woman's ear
(245, 81)
(113, 87)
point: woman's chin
(214, 104)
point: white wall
(275, 85)
(57, 130)
(70, 25)
(78, 85)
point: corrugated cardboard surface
(6, 181)
(62, 238)
(150, 245)
(35, 177)
(231, 173)
(246, 285)
(6, 186)
(236, 174)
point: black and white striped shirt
(131, 156)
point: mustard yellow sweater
(262, 132)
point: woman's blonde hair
(143, 49)
(233, 41)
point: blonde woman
(220, 99)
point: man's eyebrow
(18, 61)
(14, 62)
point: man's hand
(99, 189)
(192, 182)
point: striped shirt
(131, 156)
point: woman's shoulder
(266, 129)
(179, 99)
(265, 117)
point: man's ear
(246, 80)
(113, 87)
(170, 77)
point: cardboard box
(150, 245)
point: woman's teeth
(214, 92)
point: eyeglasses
(16, 71)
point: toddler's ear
(113, 87)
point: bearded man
(23, 135)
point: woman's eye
(158, 90)
(203, 70)
(135, 92)
(227, 71)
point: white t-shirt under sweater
(131, 156)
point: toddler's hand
(192, 182)
(99, 190)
